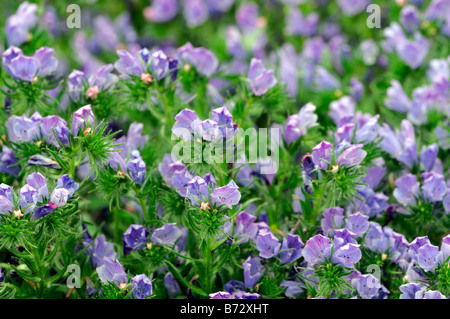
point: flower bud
(92, 92)
(146, 78)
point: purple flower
(224, 120)
(159, 64)
(19, 24)
(293, 289)
(434, 188)
(260, 79)
(166, 235)
(413, 52)
(233, 286)
(29, 197)
(343, 107)
(43, 161)
(324, 80)
(195, 12)
(409, 18)
(289, 62)
(313, 49)
(367, 286)
(317, 248)
(180, 179)
(134, 238)
(22, 129)
(111, 271)
(417, 243)
(429, 257)
(184, 124)
(397, 99)
(244, 295)
(352, 7)
(375, 239)
(245, 228)
(253, 271)
(102, 249)
(161, 11)
(197, 191)
(47, 63)
(25, 68)
(168, 167)
(247, 16)
(332, 219)
(55, 123)
(75, 84)
(128, 64)
(321, 154)
(356, 89)
(357, 223)
(268, 245)
(352, 156)
(8, 162)
(204, 61)
(59, 196)
(68, 183)
(220, 295)
(409, 290)
(82, 118)
(44, 210)
(227, 195)
(136, 167)
(207, 130)
(291, 248)
(171, 285)
(297, 24)
(347, 255)
(298, 124)
(430, 294)
(103, 78)
(142, 286)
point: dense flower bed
(225, 149)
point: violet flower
(134, 238)
(253, 271)
(260, 79)
(166, 235)
(268, 245)
(298, 124)
(142, 286)
(112, 271)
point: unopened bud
(34, 80)
(92, 92)
(187, 67)
(334, 168)
(401, 3)
(261, 22)
(205, 206)
(120, 173)
(383, 256)
(122, 286)
(149, 246)
(87, 131)
(18, 214)
(338, 93)
(146, 78)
